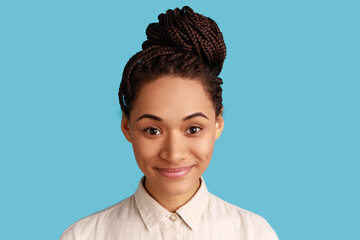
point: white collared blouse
(204, 216)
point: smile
(175, 172)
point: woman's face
(172, 128)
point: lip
(175, 172)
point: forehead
(173, 96)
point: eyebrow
(198, 114)
(149, 116)
(156, 118)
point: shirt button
(173, 217)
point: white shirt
(204, 216)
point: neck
(168, 201)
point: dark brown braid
(182, 43)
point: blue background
(290, 148)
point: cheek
(144, 151)
(203, 149)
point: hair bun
(188, 31)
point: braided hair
(183, 43)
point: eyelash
(198, 130)
(148, 130)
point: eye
(153, 131)
(193, 130)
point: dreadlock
(182, 43)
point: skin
(172, 124)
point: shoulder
(251, 224)
(101, 220)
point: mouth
(175, 172)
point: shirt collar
(152, 212)
(192, 211)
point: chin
(179, 187)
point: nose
(174, 148)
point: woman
(170, 95)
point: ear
(219, 126)
(125, 127)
